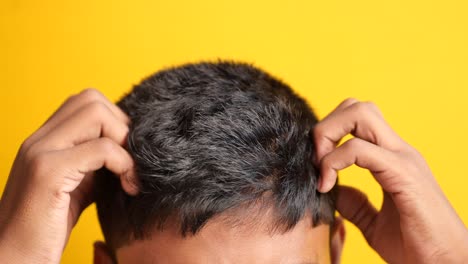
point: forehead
(220, 243)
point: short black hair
(210, 137)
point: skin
(221, 243)
(51, 181)
(416, 223)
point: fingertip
(126, 118)
(129, 182)
(324, 188)
(322, 148)
(326, 181)
(350, 101)
(319, 183)
(319, 153)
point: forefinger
(363, 120)
(92, 121)
(72, 105)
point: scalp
(211, 137)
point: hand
(51, 181)
(416, 223)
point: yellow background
(410, 57)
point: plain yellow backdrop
(410, 57)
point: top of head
(208, 138)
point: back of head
(209, 138)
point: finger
(345, 104)
(363, 120)
(84, 159)
(83, 98)
(364, 154)
(354, 206)
(73, 104)
(90, 122)
(83, 196)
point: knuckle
(39, 164)
(26, 145)
(31, 152)
(327, 162)
(318, 131)
(106, 145)
(70, 99)
(350, 101)
(91, 94)
(96, 109)
(371, 106)
(353, 143)
(364, 107)
(359, 107)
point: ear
(102, 254)
(338, 235)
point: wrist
(29, 232)
(17, 252)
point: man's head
(224, 159)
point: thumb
(354, 206)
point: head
(224, 163)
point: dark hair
(207, 138)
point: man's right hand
(52, 178)
(416, 223)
